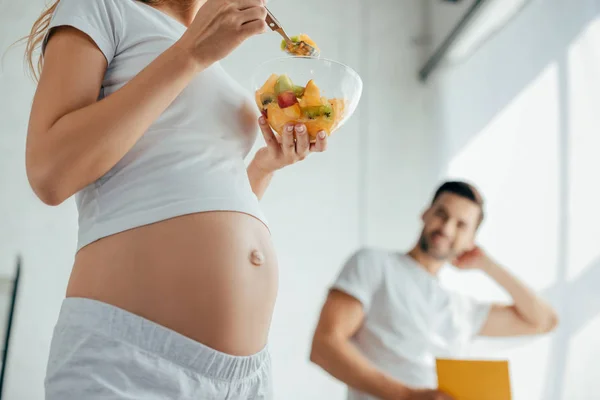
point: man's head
(451, 221)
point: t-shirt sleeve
(473, 313)
(98, 19)
(360, 277)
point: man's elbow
(547, 324)
(315, 351)
(552, 322)
(318, 350)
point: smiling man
(387, 317)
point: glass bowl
(324, 104)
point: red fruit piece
(286, 99)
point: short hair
(462, 189)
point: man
(387, 317)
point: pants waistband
(118, 324)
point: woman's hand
(283, 151)
(220, 26)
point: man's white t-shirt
(410, 319)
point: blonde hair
(39, 31)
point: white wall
(368, 188)
(520, 119)
(444, 15)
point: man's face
(449, 227)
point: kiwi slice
(318, 111)
(284, 44)
(298, 91)
(283, 84)
(312, 112)
(267, 98)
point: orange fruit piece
(312, 95)
(338, 106)
(306, 39)
(278, 117)
(314, 126)
(323, 123)
(268, 87)
(297, 47)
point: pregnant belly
(209, 276)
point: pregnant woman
(175, 277)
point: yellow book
(473, 379)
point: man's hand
(473, 259)
(429, 395)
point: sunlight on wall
(549, 132)
(515, 163)
(583, 270)
(584, 142)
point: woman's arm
(259, 179)
(74, 139)
(279, 153)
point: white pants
(103, 352)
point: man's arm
(528, 315)
(340, 318)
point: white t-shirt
(191, 159)
(410, 319)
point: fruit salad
(283, 102)
(302, 46)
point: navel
(257, 258)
